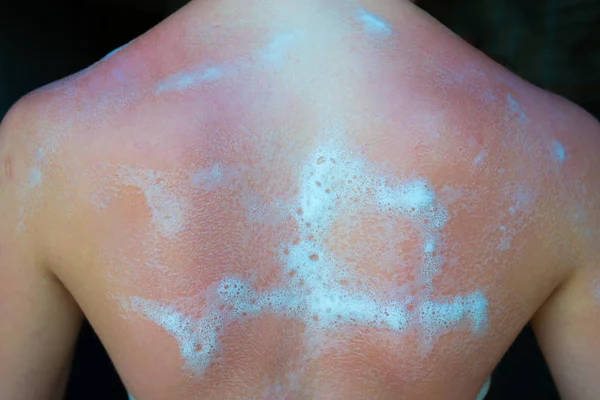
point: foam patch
(317, 288)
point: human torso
(308, 201)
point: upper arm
(39, 320)
(568, 328)
(568, 324)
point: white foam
(168, 209)
(560, 153)
(276, 50)
(35, 177)
(480, 158)
(523, 197)
(438, 316)
(210, 177)
(373, 23)
(197, 338)
(185, 80)
(334, 183)
(505, 242)
(515, 108)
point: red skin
(406, 111)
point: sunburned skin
(596, 290)
(29, 192)
(318, 289)
(308, 180)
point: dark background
(551, 43)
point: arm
(568, 324)
(39, 320)
(568, 331)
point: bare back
(306, 201)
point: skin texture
(297, 200)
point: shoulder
(33, 300)
(44, 138)
(19, 131)
(574, 136)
